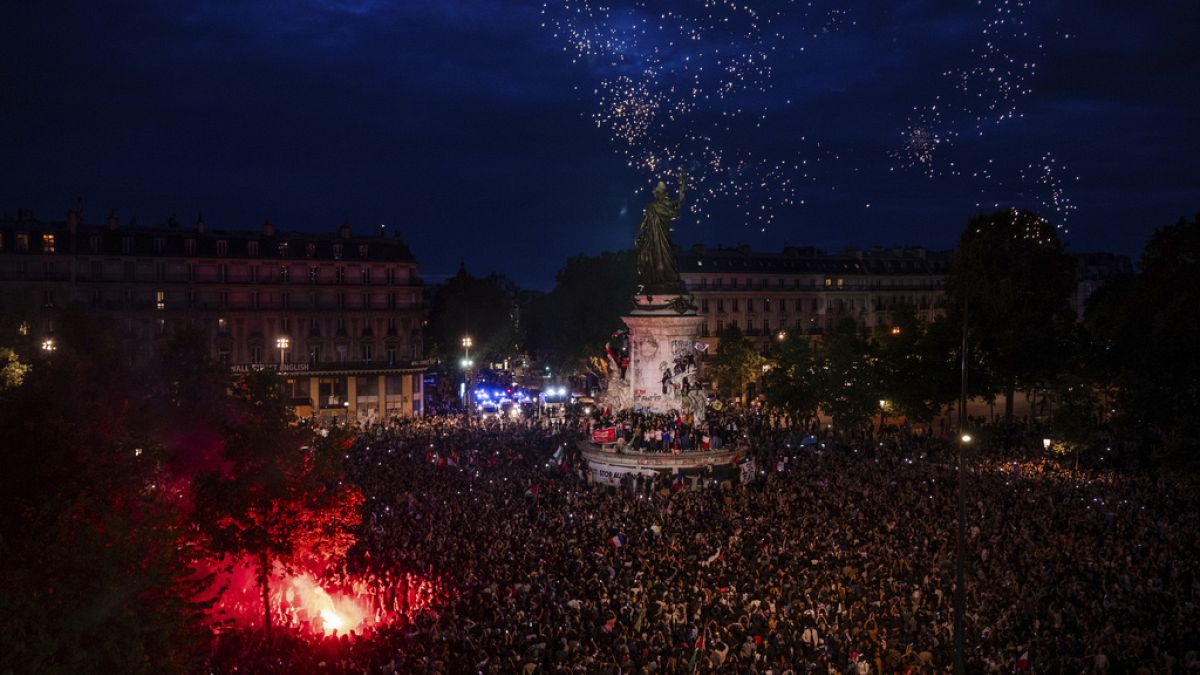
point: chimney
(73, 221)
(200, 223)
(344, 230)
(268, 228)
(112, 222)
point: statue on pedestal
(656, 270)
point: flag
(617, 540)
(533, 491)
(677, 484)
(1022, 662)
(696, 651)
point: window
(97, 270)
(716, 283)
(189, 246)
(841, 283)
(720, 305)
(162, 326)
(94, 242)
(160, 300)
(23, 328)
(342, 352)
(828, 282)
(310, 249)
(224, 298)
(160, 271)
(22, 242)
(766, 304)
(337, 251)
(364, 301)
(720, 326)
(733, 283)
(733, 323)
(340, 275)
(704, 329)
(704, 305)
(362, 250)
(222, 247)
(367, 351)
(814, 304)
(252, 249)
(391, 355)
(314, 274)
(283, 249)
(285, 300)
(314, 327)
(159, 245)
(341, 300)
(391, 325)
(255, 353)
(314, 354)
(735, 304)
(391, 301)
(703, 283)
(47, 243)
(47, 298)
(365, 275)
(285, 275)
(254, 299)
(766, 326)
(749, 305)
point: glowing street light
(282, 343)
(781, 335)
(1046, 442)
(48, 345)
(966, 438)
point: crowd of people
(843, 562)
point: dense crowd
(843, 562)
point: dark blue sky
(459, 123)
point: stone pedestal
(662, 339)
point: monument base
(664, 365)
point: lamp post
(282, 343)
(468, 395)
(964, 439)
(48, 345)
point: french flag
(677, 484)
(617, 540)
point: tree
(1146, 330)
(791, 385)
(283, 499)
(916, 378)
(483, 308)
(847, 376)
(571, 323)
(96, 574)
(736, 364)
(1013, 279)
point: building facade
(806, 290)
(338, 316)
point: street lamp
(781, 335)
(1046, 442)
(282, 344)
(48, 345)
(467, 342)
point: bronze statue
(657, 274)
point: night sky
(467, 126)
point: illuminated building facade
(339, 316)
(807, 290)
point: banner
(606, 436)
(749, 470)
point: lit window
(47, 243)
(160, 300)
(284, 274)
(283, 249)
(22, 242)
